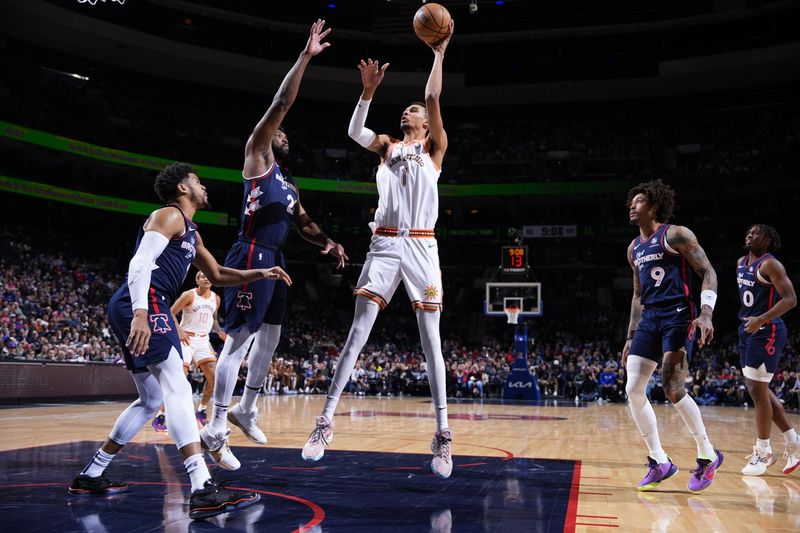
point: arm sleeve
(150, 248)
(356, 130)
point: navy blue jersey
(756, 294)
(173, 263)
(663, 273)
(268, 205)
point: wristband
(709, 298)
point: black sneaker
(214, 499)
(83, 484)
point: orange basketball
(432, 23)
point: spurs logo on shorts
(244, 300)
(431, 292)
(160, 323)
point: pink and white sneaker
(320, 437)
(442, 462)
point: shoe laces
(443, 445)
(318, 434)
(757, 455)
(702, 464)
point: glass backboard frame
(507, 290)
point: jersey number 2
(290, 207)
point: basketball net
(512, 313)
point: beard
(280, 152)
(200, 200)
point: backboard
(500, 294)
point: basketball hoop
(512, 305)
(513, 314)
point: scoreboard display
(515, 259)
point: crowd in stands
(53, 309)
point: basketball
(432, 23)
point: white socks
(428, 323)
(790, 436)
(98, 464)
(639, 371)
(197, 470)
(763, 444)
(363, 320)
(690, 413)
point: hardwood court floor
(601, 438)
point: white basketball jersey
(199, 316)
(408, 196)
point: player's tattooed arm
(636, 307)
(312, 233)
(774, 271)
(231, 277)
(684, 241)
(258, 150)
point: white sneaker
(322, 436)
(442, 462)
(758, 462)
(217, 447)
(248, 423)
(792, 455)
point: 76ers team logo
(244, 300)
(160, 323)
(431, 292)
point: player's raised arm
(258, 150)
(309, 230)
(433, 90)
(371, 76)
(684, 241)
(636, 307)
(230, 277)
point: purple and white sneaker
(703, 475)
(657, 473)
(160, 423)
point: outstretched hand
(315, 45)
(441, 46)
(277, 272)
(372, 73)
(336, 250)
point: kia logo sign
(520, 385)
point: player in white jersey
(403, 246)
(199, 317)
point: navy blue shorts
(261, 302)
(663, 330)
(162, 324)
(763, 347)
